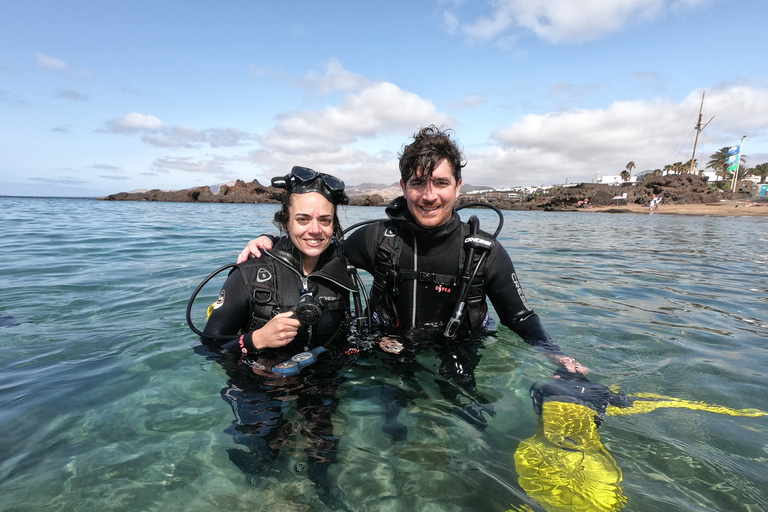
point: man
(416, 258)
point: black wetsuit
(253, 293)
(260, 288)
(423, 308)
(438, 251)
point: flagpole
(738, 164)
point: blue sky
(101, 97)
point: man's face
(431, 199)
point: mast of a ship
(699, 129)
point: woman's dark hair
(430, 145)
(281, 216)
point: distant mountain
(370, 189)
(466, 187)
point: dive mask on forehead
(302, 180)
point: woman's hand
(278, 332)
(254, 247)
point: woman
(305, 269)
(293, 300)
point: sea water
(106, 405)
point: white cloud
(336, 78)
(60, 66)
(226, 137)
(380, 108)
(107, 167)
(133, 122)
(468, 103)
(569, 21)
(577, 144)
(52, 63)
(333, 140)
(180, 136)
(174, 137)
(450, 21)
(214, 166)
(69, 94)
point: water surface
(104, 404)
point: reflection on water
(105, 405)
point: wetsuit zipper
(415, 281)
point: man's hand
(278, 332)
(391, 345)
(570, 364)
(254, 247)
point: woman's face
(310, 223)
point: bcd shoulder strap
(477, 308)
(386, 269)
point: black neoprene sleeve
(227, 318)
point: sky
(103, 97)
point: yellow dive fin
(565, 467)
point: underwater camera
(309, 310)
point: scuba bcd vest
(269, 295)
(471, 308)
(272, 287)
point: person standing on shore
(654, 203)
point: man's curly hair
(430, 145)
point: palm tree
(741, 172)
(629, 167)
(719, 162)
(625, 176)
(759, 170)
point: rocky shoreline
(683, 193)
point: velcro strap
(333, 305)
(429, 277)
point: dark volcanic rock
(240, 192)
(676, 189)
(367, 200)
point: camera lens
(309, 313)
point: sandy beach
(750, 207)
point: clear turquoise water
(104, 405)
